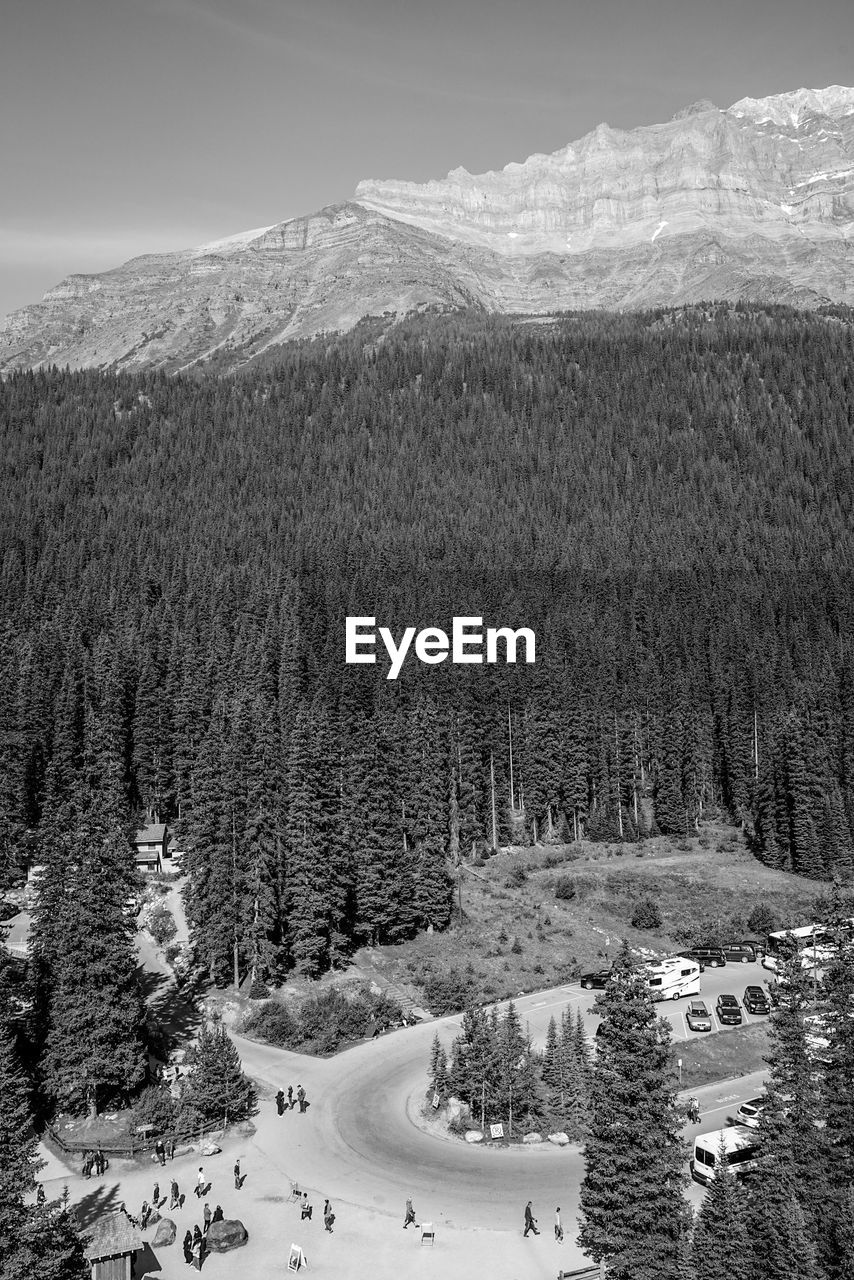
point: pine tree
(632, 1207)
(438, 1066)
(40, 1241)
(782, 1247)
(216, 1088)
(791, 1127)
(94, 1050)
(720, 1247)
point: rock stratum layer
(754, 202)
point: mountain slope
(753, 202)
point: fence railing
(129, 1145)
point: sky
(139, 126)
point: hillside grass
(513, 935)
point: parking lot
(730, 978)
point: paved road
(365, 1147)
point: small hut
(113, 1247)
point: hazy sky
(131, 126)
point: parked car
(689, 955)
(710, 957)
(599, 978)
(749, 1112)
(739, 952)
(729, 1011)
(698, 1017)
(756, 1001)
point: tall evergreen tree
(720, 1246)
(633, 1212)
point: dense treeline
(665, 499)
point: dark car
(729, 1011)
(597, 979)
(755, 1000)
(739, 952)
(710, 957)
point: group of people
(307, 1210)
(531, 1223)
(284, 1104)
(94, 1162)
(194, 1241)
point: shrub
(274, 1023)
(517, 876)
(564, 888)
(161, 925)
(155, 1107)
(646, 914)
(516, 948)
(451, 991)
(762, 918)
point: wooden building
(151, 844)
(113, 1247)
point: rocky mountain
(754, 202)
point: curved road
(359, 1140)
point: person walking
(200, 1182)
(160, 1151)
(99, 1161)
(198, 1246)
(290, 1097)
(144, 1215)
(301, 1099)
(155, 1195)
(188, 1248)
(197, 1233)
(87, 1164)
(280, 1103)
(40, 1195)
(530, 1220)
(409, 1216)
(174, 1195)
(238, 1181)
(558, 1226)
(328, 1217)
(207, 1219)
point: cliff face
(754, 202)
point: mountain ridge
(755, 201)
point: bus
(674, 978)
(740, 1147)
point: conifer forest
(666, 499)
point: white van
(740, 1147)
(672, 979)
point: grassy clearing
(722, 1055)
(515, 936)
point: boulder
(225, 1235)
(474, 1135)
(559, 1139)
(533, 1137)
(211, 1149)
(457, 1109)
(165, 1233)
